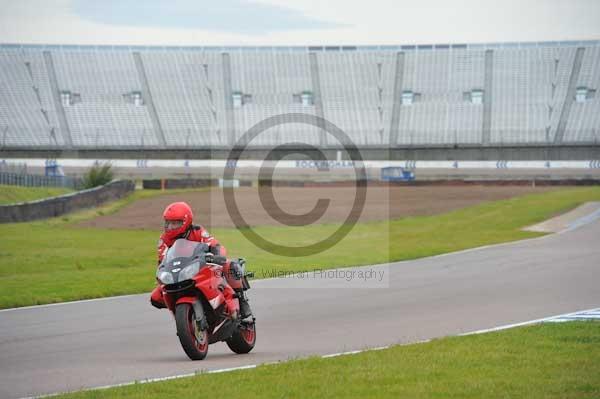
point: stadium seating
(103, 116)
(27, 113)
(529, 91)
(441, 115)
(135, 97)
(272, 79)
(187, 88)
(584, 123)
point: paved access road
(87, 344)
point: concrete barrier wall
(430, 181)
(169, 184)
(442, 182)
(157, 184)
(56, 206)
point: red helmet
(178, 218)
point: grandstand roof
(405, 47)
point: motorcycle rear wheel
(243, 338)
(193, 340)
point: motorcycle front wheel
(194, 341)
(243, 338)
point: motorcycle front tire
(193, 340)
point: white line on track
(47, 305)
(525, 323)
(560, 317)
(148, 380)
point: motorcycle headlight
(165, 277)
(189, 271)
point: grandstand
(160, 98)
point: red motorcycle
(205, 307)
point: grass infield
(54, 261)
(16, 194)
(551, 360)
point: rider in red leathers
(178, 219)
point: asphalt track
(86, 344)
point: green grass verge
(552, 360)
(15, 194)
(53, 261)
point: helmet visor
(173, 224)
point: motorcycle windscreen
(183, 248)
